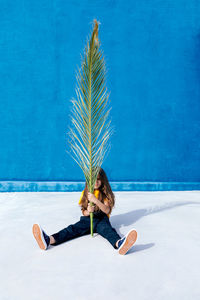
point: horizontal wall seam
(77, 186)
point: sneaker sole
(39, 236)
(130, 240)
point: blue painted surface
(152, 52)
(71, 186)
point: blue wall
(152, 52)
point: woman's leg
(52, 240)
(105, 229)
(72, 231)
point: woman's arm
(86, 212)
(104, 207)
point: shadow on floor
(133, 216)
(141, 247)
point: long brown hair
(105, 192)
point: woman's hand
(104, 207)
(90, 208)
(92, 198)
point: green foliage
(90, 131)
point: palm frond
(90, 131)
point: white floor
(163, 264)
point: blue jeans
(101, 225)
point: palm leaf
(90, 131)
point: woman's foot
(127, 242)
(41, 237)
